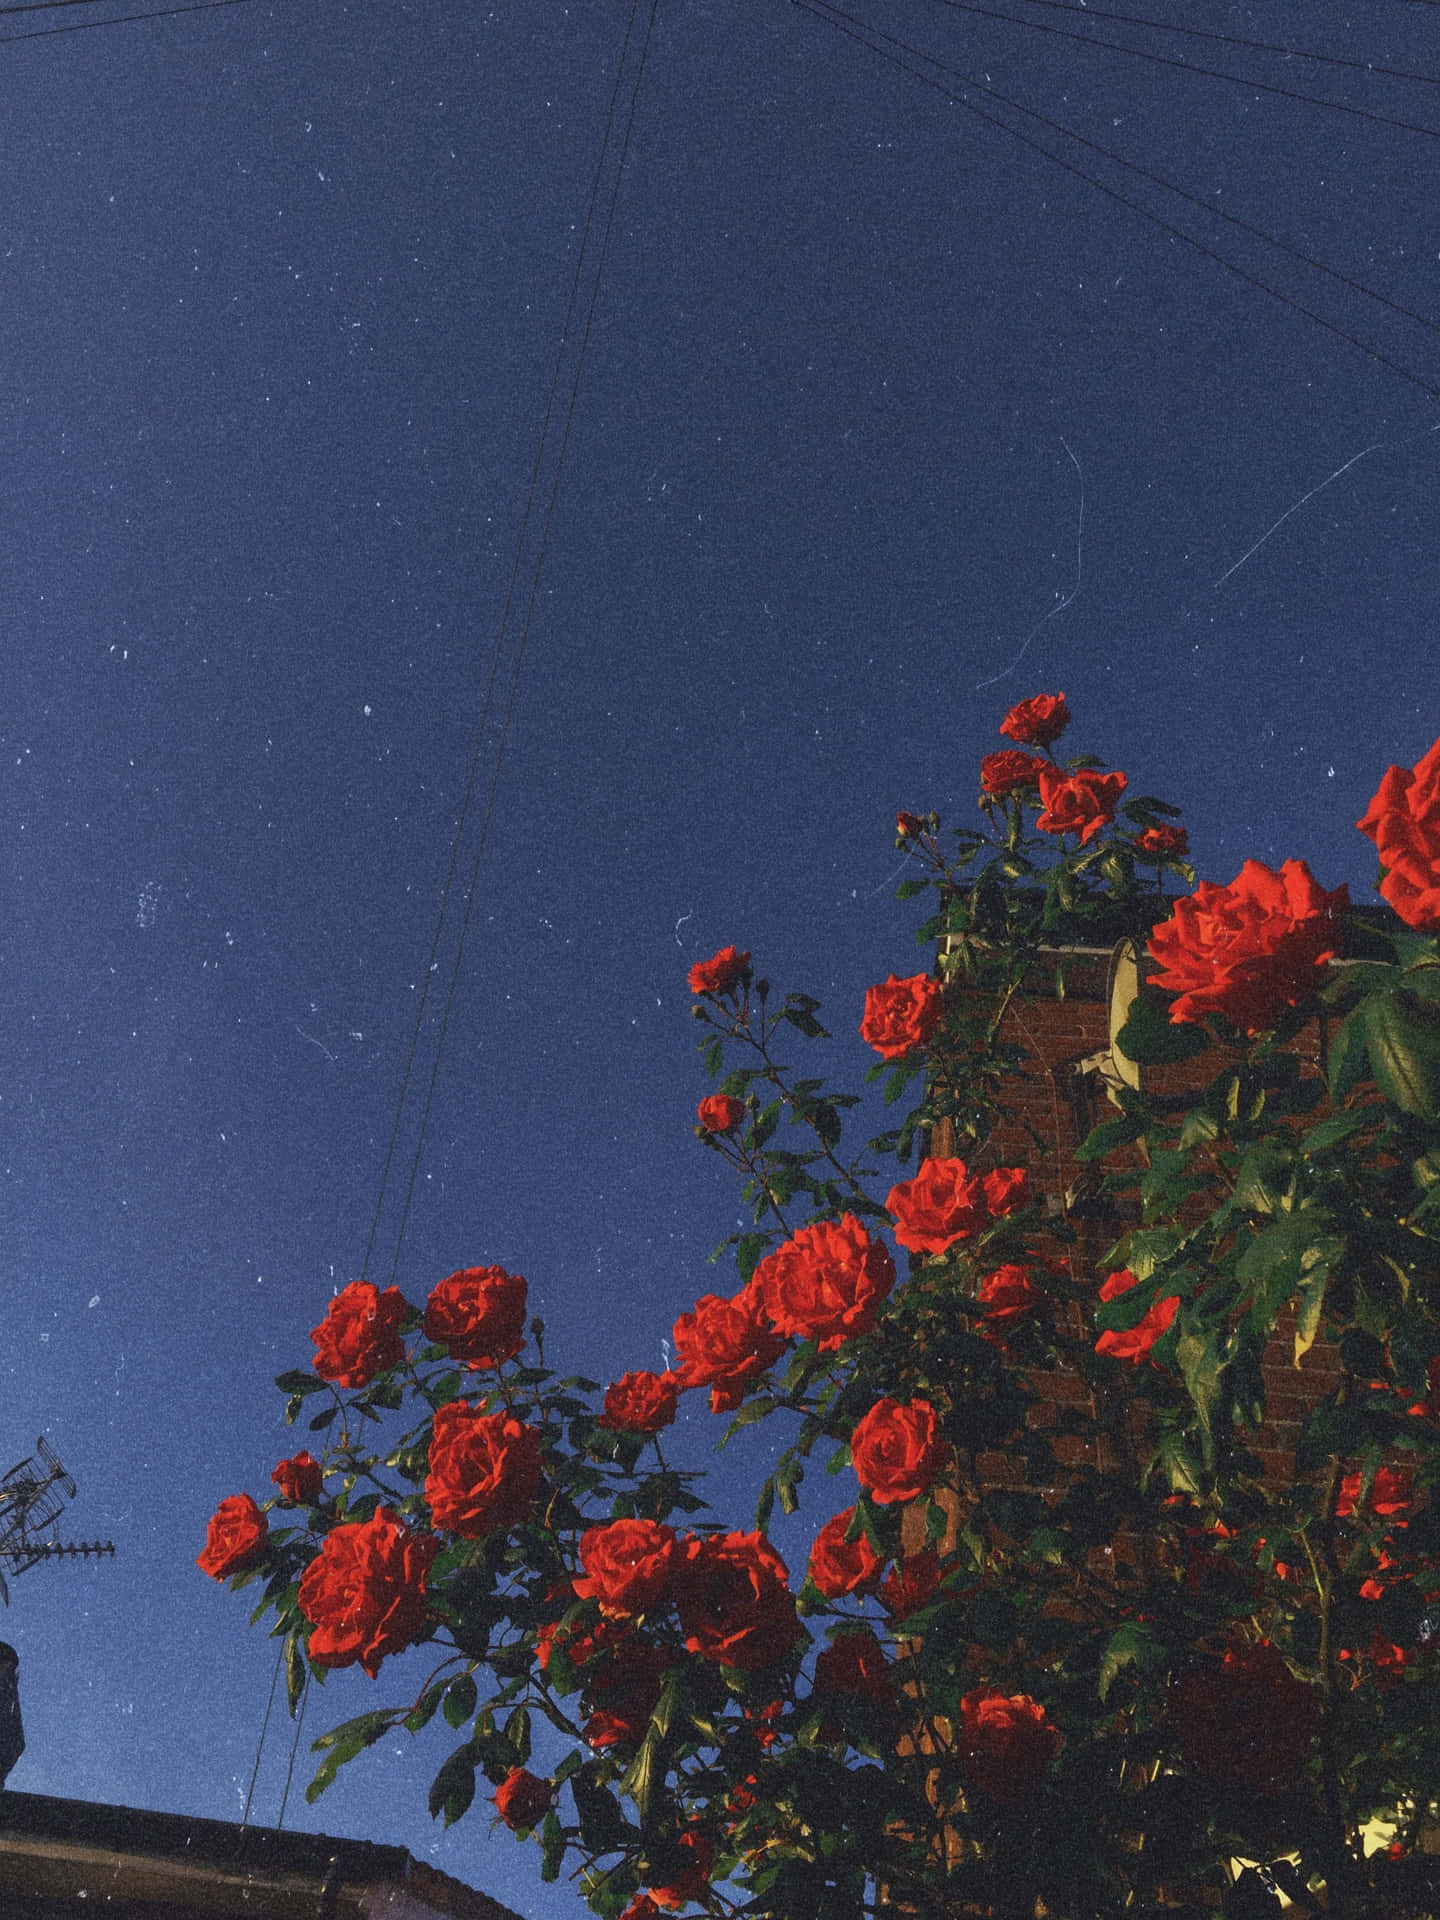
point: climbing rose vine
(1125, 1596)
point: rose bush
(1082, 1634)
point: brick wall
(1055, 1101)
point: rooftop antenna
(32, 1497)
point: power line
(1159, 180)
(536, 571)
(1203, 33)
(118, 20)
(1186, 66)
(542, 442)
(856, 30)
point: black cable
(470, 891)
(829, 17)
(1186, 66)
(496, 653)
(1155, 179)
(294, 1749)
(120, 20)
(260, 1743)
(1191, 33)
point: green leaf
(1111, 1134)
(1149, 1037)
(603, 1826)
(453, 1787)
(1201, 1365)
(1402, 1038)
(300, 1383)
(1309, 1311)
(460, 1699)
(1131, 1645)
(552, 1847)
(1175, 1460)
(1345, 1067)
(1334, 1129)
(296, 1672)
(517, 1732)
(423, 1712)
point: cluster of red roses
(638, 1596)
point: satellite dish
(1121, 989)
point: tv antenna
(32, 1497)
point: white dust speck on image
(147, 903)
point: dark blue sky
(280, 290)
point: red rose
(1008, 1294)
(944, 1203)
(690, 1873)
(1250, 950)
(720, 1112)
(1078, 802)
(1001, 773)
(478, 1315)
(623, 1685)
(360, 1334)
(299, 1479)
(642, 1907)
(1036, 722)
(521, 1800)
(726, 1345)
(1163, 843)
(1135, 1342)
(1247, 1723)
(838, 1566)
(1404, 822)
(627, 1565)
(1007, 1743)
(908, 826)
(1389, 1493)
(826, 1283)
(364, 1592)
(897, 1450)
(901, 1015)
(854, 1667)
(235, 1537)
(1007, 1189)
(641, 1402)
(912, 1585)
(854, 1662)
(722, 973)
(484, 1470)
(733, 1597)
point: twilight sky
(886, 421)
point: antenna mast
(32, 1497)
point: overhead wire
(1159, 180)
(543, 441)
(119, 20)
(536, 571)
(857, 30)
(1188, 66)
(1208, 33)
